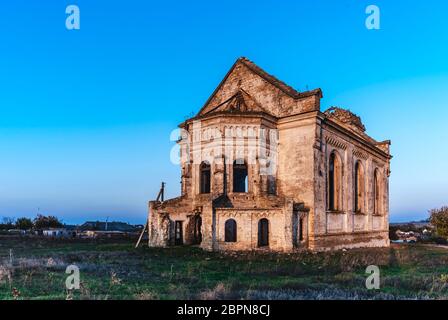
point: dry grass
(219, 292)
(111, 270)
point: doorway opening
(178, 234)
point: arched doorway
(230, 231)
(263, 232)
(197, 233)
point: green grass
(112, 269)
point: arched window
(334, 182)
(230, 231)
(205, 177)
(359, 186)
(263, 232)
(376, 192)
(239, 176)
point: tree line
(39, 222)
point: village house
(57, 233)
(262, 167)
(99, 229)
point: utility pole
(161, 194)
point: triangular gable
(258, 89)
(239, 102)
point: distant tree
(24, 223)
(42, 222)
(7, 223)
(439, 219)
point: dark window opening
(239, 176)
(301, 229)
(263, 232)
(230, 231)
(272, 187)
(205, 177)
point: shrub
(24, 223)
(439, 218)
(42, 222)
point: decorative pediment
(240, 102)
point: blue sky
(86, 115)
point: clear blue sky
(85, 115)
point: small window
(240, 176)
(230, 231)
(205, 177)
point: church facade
(263, 168)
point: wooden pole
(141, 235)
(160, 197)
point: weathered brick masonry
(263, 167)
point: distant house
(56, 233)
(16, 231)
(408, 236)
(95, 229)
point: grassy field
(114, 270)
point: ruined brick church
(262, 167)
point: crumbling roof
(353, 123)
(346, 117)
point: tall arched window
(240, 176)
(205, 177)
(230, 231)
(359, 186)
(376, 192)
(334, 182)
